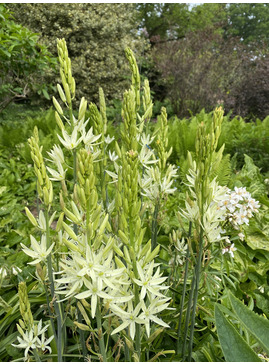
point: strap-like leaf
(234, 347)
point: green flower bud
(82, 108)
(31, 217)
(61, 92)
(71, 216)
(25, 308)
(152, 255)
(57, 106)
(60, 222)
(46, 196)
(123, 237)
(70, 232)
(67, 93)
(71, 246)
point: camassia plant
(96, 264)
(214, 213)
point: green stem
(126, 349)
(137, 326)
(154, 226)
(37, 200)
(100, 331)
(37, 357)
(138, 340)
(75, 166)
(56, 304)
(197, 274)
(50, 313)
(75, 180)
(188, 318)
(71, 115)
(184, 291)
(81, 335)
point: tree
(24, 61)
(200, 70)
(163, 20)
(249, 21)
(96, 35)
(168, 21)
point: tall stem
(184, 290)
(75, 180)
(126, 349)
(188, 317)
(50, 313)
(197, 273)
(137, 326)
(37, 357)
(154, 226)
(82, 336)
(100, 332)
(56, 304)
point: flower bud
(60, 222)
(82, 108)
(31, 217)
(61, 92)
(57, 106)
(46, 196)
(67, 93)
(69, 231)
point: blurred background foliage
(96, 34)
(24, 62)
(195, 55)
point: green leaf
(257, 325)
(257, 241)
(234, 347)
(45, 93)
(7, 341)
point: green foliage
(14, 133)
(96, 34)
(257, 325)
(164, 20)
(249, 21)
(174, 21)
(252, 323)
(250, 177)
(208, 15)
(251, 138)
(240, 139)
(24, 61)
(16, 182)
(234, 347)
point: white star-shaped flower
(39, 251)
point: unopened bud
(61, 92)
(60, 222)
(57, 106)
(46, 196)
(31, 217)
(67, 93)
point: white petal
(120, 328)
(93, 304)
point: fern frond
(223, 171)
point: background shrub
(96, 34)
(24, 62)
